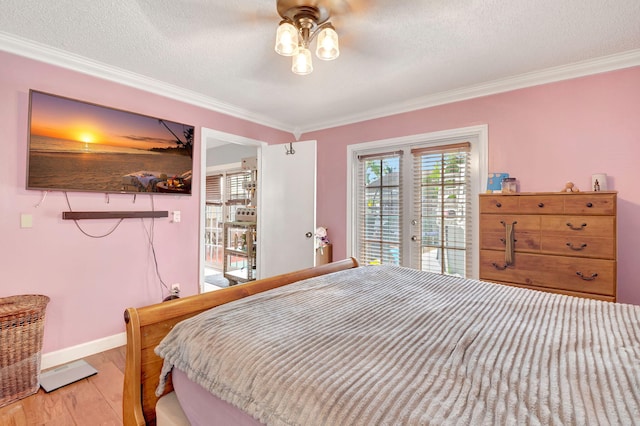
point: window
(213, 190)
(214, 218)
(380, 201)
(236, 194)
(412, 200)
(224, 194)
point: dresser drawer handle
(576, 228)
(498, 205)
(498, 267)
(541, 205)
(591, 278)
(504, 241)
(589, 205)
(572, 247)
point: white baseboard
(63, 356)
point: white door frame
(479, 167)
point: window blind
(442, 202)
(236, 194)
(213, 189)
(379, 208)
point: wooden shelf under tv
(114, 215)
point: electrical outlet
(175, 216)
(175, 288)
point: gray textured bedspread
(387, 345)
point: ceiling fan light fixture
(286, 39)
(327, 47)
(302, 64)
(303, 21)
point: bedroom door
(286, 222)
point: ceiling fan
(197, 23)
(306, 20)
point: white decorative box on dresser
(559, 242)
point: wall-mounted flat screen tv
(80, 146)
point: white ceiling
(395, 55)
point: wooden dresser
(559, 242)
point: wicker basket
(21, 330)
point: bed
(409, 347)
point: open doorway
(229, 196)
(286, 201)
(229, 163)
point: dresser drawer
(581, 246)
(541, 204)
(524, 241)
(593, 226)
(499, 203)
(603, 297)
(526, 231)
(497, 222)
(588, 204)
(575, 274)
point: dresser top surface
(516, 194)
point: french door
(413, 204)
(441, 215)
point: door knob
(308, 234)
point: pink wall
(544, 135)
(91, 281)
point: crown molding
(58, 57)
(61, 58)
(622, 60)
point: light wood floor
(96, 400)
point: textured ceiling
(395, 55)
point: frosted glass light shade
(327, 47)
(302, 62)
(286, 39)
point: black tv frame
(131, 153)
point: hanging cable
(150, 235)
(66, 196)
(44, 195)
(155, 258)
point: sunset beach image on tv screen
(80, 146)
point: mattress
(169, 412)
(391, 345)
(202, 408)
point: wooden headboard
(147, 326)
